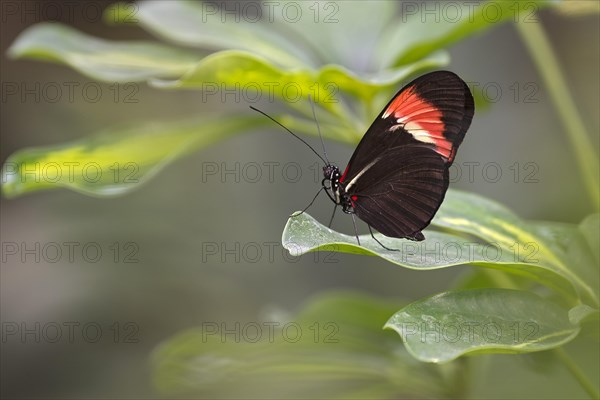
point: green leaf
(590, 229)
(557, 234)
(256, 47)
(101, 59)
(485, 278)
(113, 162)
(339, 31)
(493, 223)
(366, 86)
(201, 24)
(484, 218)
(581, 261)
(333, 348)
(420, 32)
(577, 247)
(257, 79)
(580, 313)
(481, 231)
(444, 327)
(303, 234)
(588, 318)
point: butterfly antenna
(312, 106)
(292, 133)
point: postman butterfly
(398, 175)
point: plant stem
(577, 373)
(539, 47)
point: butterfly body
(336, 190)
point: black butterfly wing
(398, 174)
(407, 193)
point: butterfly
(398, 175)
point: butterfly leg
(311, 203)
(381, 244)
(355, 230)
(332, 215)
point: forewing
(435, 109)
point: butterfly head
(338, 195)
(331, 173)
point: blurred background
(172, 283)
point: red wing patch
(344, 174)
(421, 119)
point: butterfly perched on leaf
(398, 174)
